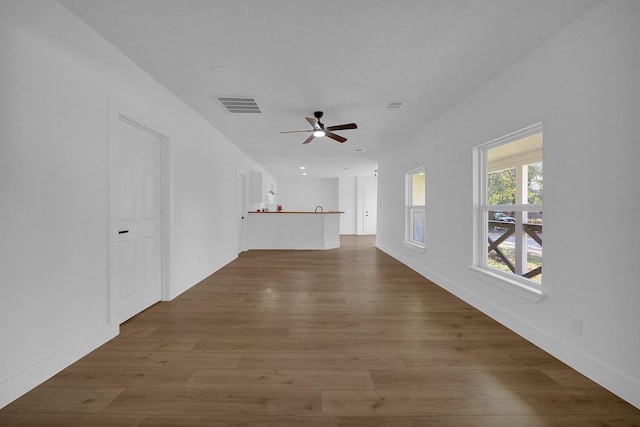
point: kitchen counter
(294, 230)
(304, 212)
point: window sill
(511, 284)
(414, 246)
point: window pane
(417, 189)
(534, 183)
(501, 253)
(501, 187)
(505, 254)
(417, 217)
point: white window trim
(509, 282)
(415, 246)
(409, 243)
(521, 286)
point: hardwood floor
(345, 337)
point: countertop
(296, 212)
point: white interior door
(241, 206)
(139, 242)
(370, 210)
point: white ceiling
(348, 58)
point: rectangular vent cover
(239, 105)
(393, 105)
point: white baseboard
(193, 279)
(20, 383)
(608, 377)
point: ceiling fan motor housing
(318, 115)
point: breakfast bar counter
(294, 230)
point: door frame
(364, 183)
(116, 116)
(365, 201)
(242, 204)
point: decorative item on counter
(270, 198)
(279, 208)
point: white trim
(618, 382)
(414, 246)
(196, 277)
(164, 201)
(116, 115)
(415, 170)
(242, 209)
(522, 287)
(32, 376)
(514, 207)
(408, 207)
(513, 283)
(512, 136)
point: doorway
(370, 210)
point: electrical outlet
(576, 325)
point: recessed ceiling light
(359, 150)
(301, 167)
(304, 173)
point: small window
(509, 214)
(415, 208)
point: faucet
(321, 210)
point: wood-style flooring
(345, 337)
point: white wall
(261, 187)
(58, 81)
(582, 84)
(303, 193)
(345, 194)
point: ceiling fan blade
(334, 136)
(308, 140)
(296, 131)
(313, 122)
(343, 127)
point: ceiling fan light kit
(319, 130)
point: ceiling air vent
(239, 104)
(393, 105)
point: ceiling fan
(319, 129)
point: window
(415, 208)
(509, 207)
